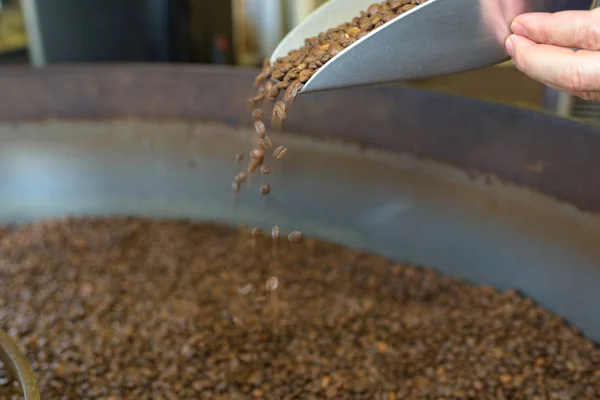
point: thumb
(578, 29)
(573, 71)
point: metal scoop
(438, 37)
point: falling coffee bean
(265, 169)
(265, 189)
(275, 232)
(257, 153)
(254, 165)
(273, 93)
(279, 112)
(266, 143)
(257, 114)
(239, 157)
(280, 152)
(292, 91)
(260, 128)
(241, 177)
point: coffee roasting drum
(494, 194)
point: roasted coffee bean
(292, 91)
(275, 232)
(265, 169)
(335, 49)
(257, 114)
(292, 75)
(278, 74)
(135, 308)
(258, 98)
(274, 92)
(285, 67)
(239, 157)
(272, 284)
(374, 8)
(257, 153)
(254, 165)
(266, 143)
(259, 128)
(283, 84)
(295, 237)
(241, 177)
(265, 189)
(268, 86)
(280, 152)
(255, 232)
(279, 111)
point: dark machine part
(489, 193)
(72, 31)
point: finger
(579, 29)
(573, 71)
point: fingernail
(509, 47)
(518, 29)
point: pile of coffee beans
(280, 83)
(126, 308)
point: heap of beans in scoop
(289, 74)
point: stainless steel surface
(18, 366)
(489, 193)
(439, 37)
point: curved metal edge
(17, 363)
(555, 156)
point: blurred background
(232, 32)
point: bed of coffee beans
(125, 308)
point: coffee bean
(280, 152)
(254, 165)
(257, 114)
(274, 92)
(305, 75)
(257, 153)
(258, 98)
(275, 232)
(272, 284)
(283, 84)
(374, 8)
(265, 169)
(266, 143)
(278, 74)
(279, 113)
(260, 128)
(335, 49)
(239, 157)
(265, 189)
(255, 232)
(235, 186)
(292, 91)
(295, 237)
(241, 177)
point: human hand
(541, 46)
